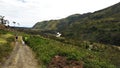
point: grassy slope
(5, 41)
(101, 57)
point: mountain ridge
(100, 26)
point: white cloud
(28, 12)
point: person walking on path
(16, 38)
(25, 39)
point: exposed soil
(62, 62)
(2, 26)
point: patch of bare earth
(62, 62)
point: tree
(18, 24)
(7, 22)
(2, 19)
(14, 23)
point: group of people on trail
(23, 40)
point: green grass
(46, 49)
(5, 45)
(2, 41)
(5, 50)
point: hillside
(59, 24)
(53, 53)
(59, 52)
(101, 26)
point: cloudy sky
(28, 12)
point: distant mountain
(101, 26)
(59, 24)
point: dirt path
(21, 57)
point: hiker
(16, 38)
(25, 40)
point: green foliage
(5, 48)
(3, 31)
(46, 49)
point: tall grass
(46, 49)
(5, 50)
(5, 47)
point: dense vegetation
(101, 26)
(5, 45)
(99, 57)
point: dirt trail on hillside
(21, 57)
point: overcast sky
(28, 12)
